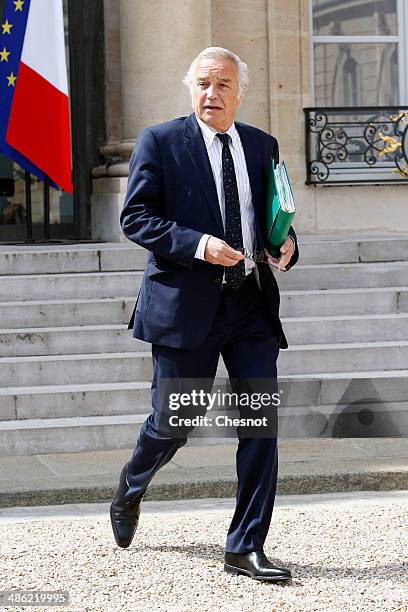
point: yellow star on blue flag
(4, 55)
(11, 80)
(6, 27)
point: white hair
(212, 52)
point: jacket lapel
(196, 148)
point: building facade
(344, 60)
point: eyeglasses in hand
(259, 257)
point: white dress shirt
(214, 150)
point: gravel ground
(344, 558)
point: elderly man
(196, 201)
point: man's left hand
(287, 249)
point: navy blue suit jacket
(171, 202)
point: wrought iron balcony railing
(357, 145)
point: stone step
(100, 257)
(343, 276)
(348, 249)
(346, 357)
(73, 434)
(104, 311)
(68, 286)
(350, 328)
(62, 259)
(117, 338)
(75, 369)
(136, 366)
(57, 401)
(378, 300)
(63, 313)
(344, 421)
(113, 284)
(69, 340)
(328, 388)
(108, 399)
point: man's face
(215, 92)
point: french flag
(38, 124)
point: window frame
(401, 39)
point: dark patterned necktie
(234, 275)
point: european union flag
(12, 31)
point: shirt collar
(209, 134)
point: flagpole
(46, 207)
(29, 220)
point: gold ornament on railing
(396, 118)
(393, 144)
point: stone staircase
(72, 379)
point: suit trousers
(242, 333)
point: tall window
(360, 52)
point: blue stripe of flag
(12, 31)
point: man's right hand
(218, 252)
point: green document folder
(280, 208)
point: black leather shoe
(124, 514)
(255, 565)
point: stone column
(242, 27)
(158, 40)
(289, 57)
(113, 86)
